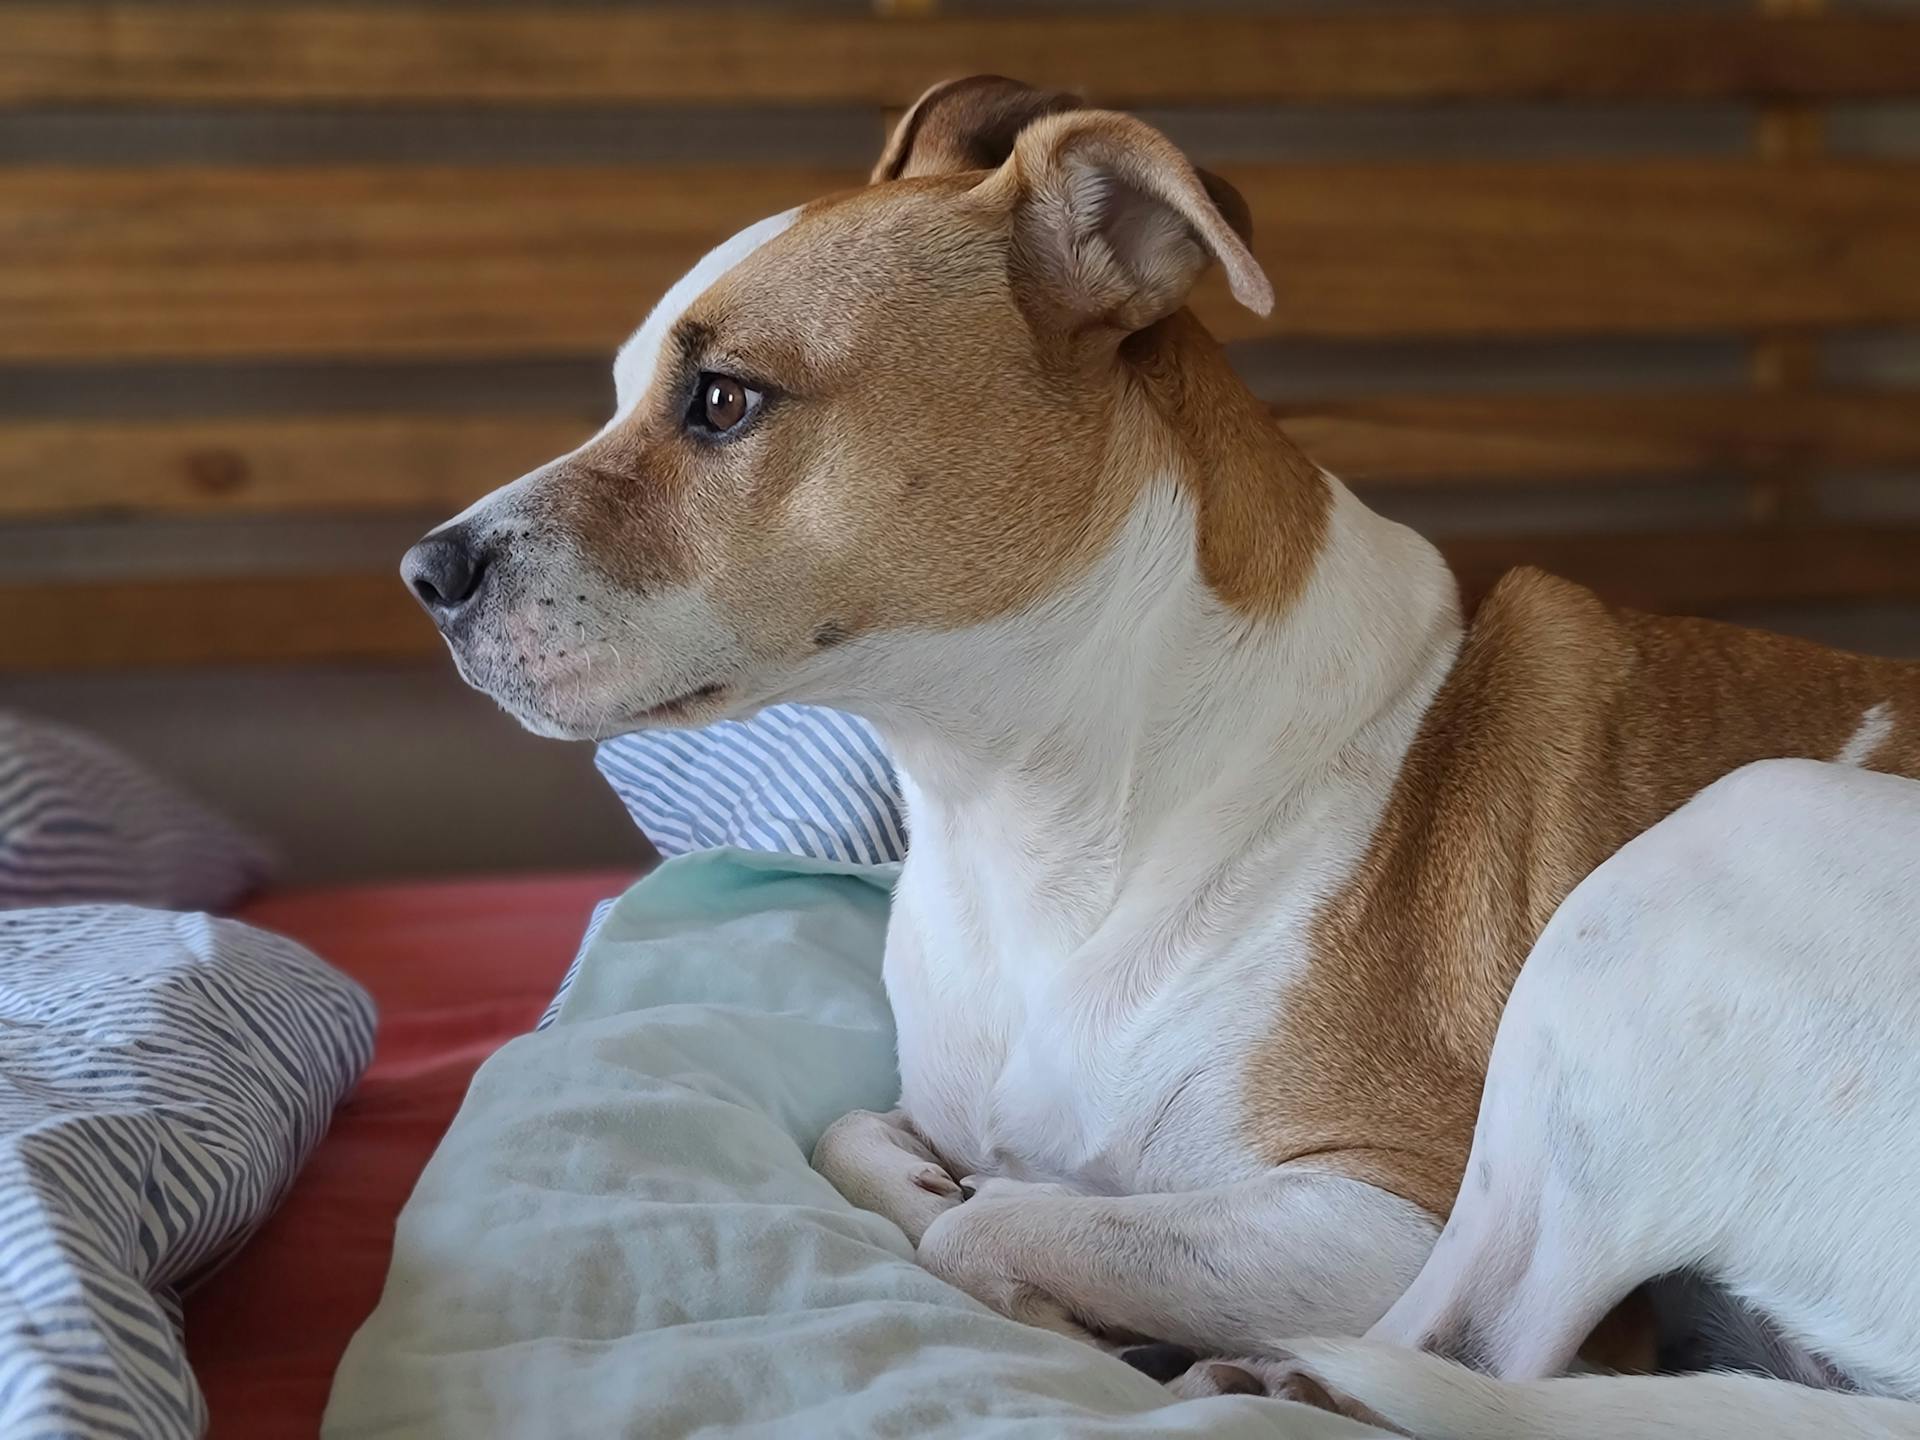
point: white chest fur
(1115, 1063)
(1108, 901)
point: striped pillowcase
(81, 822)
(797, 779)
(162, 1079)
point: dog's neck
(1253, 629)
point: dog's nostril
(444, 570)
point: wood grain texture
(280, 465)
(70, 626)
(1784, 362)
(1704, 571)
(337, 261)
(388, 463)
(1548, 439)
(1578, 247)
(411, 54)
(121, 263)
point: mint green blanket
(621, 1236)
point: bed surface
(457, 967)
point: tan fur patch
(1564, 730)
(904, 522)
(618, 503)
(1262, 505)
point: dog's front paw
(984, 1248)
(881, 1163)
(970, 1246)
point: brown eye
(720, 403)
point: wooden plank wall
(419, 53)
(200, 265)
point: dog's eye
(720, 403)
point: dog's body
(1229, 835)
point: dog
(1231, 831)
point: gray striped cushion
(81, 822)
(794, 778)
(162, 1078)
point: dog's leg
(1557, 1219)
(1227, 1271)
(1524, 1270)
(1513, 1286)
(1699, 1067)
(883, 1164)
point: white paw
(936, 1181)
(979, 1248)
(881, 1164)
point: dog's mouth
(565, 703)
(681, 706)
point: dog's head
(893, 411)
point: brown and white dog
(1230, 832)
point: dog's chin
(573, 702)
(547, 727)
(570, 716)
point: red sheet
(458, 968)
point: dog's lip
(680, 704)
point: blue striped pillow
(795, 778)
(80, 822)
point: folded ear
(1113, 225)
(968, 124)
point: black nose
(445, 570)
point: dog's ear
(972, 124)
(1113, 225)
(968, 124)
(1231, 204)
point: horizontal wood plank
(1706, 571)
(225, 621)
(455, 261)
(331, 261)
(1549, 439)
(1593, 248)
(387, 463)
(68, 626)
(328, 464)
(412, 54)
